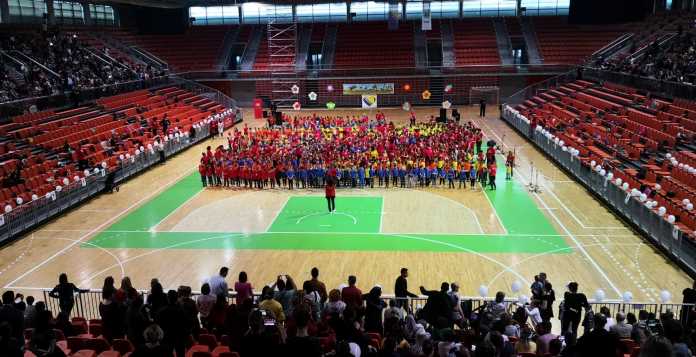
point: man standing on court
(401, 289)
(218, 284)
(482, 107)
(331, 193)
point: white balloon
(142, 148)
(516, 286)
(593, 163)
(689, 206)
(483, 291)
(661, 211)
(86, 172)
(96, 170)
(121, 157)
(658, 187)
(681, 166)
(128, 156)
(564, 148)
(137, 152)
(76, 178)
(610, 175)
(625, 186)
(671, 218)
(665, 296)
(635, 192)
(668, 155)
(19, 200)
(599, 295)
(619, 181)
(523, 299)
(103, 164)
(66, 181)
(603, 172)
(685, 201)
(627, 296)
(149, 146)
(8, 209)
(598, 168)
(59, 188)
(561, 143)
(643, 197)
(34, 197)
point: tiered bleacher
(38, 151)
(475, 43)
(358, 46)
(645, 142)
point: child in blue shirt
(472, 176)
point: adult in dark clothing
(373, 310)
(9, 345)
(260, 340)
(157, 299)
(482, 107)
(172, 320)
(63, 323)
(112, 316)
(573, 304)
(401, 289)
(152, 347)
(43, 338)
(302, 344)
(438, 306)
(14, 317)
(599, 342)
(689, 298)
(137, 321)
(65, 293)
(190, 310)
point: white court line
(550, 191)
(123, 270)
(553, 251)
(355, 220)
(278, 213)
(505, 267)
(99, 227)
(567, 231)
(495, 211)
(154, 228)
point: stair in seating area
(530, 40)
(503, 41)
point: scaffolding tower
(282, 54)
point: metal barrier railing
(659, 231)
(87, 304)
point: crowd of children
(360, 152)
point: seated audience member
(43, 338)
(599, 342)
(621, 328)
(269, 304)
(205, 302)
(526, 342)
(545, 337)
(302, 344)
(243, 288)
(335, 305)
(286, 293)
(260, 340)
(152, 347)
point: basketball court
(164, 224)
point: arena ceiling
(185, 3)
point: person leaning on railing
(65, 293)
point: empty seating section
(563, 43)
(261, 63)
(633, 136)
(197, 49)
(132, 119)
(475, 42)
(372, 45)
(90, 342)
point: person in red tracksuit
(331, 193)
(201, 170)
(492, 171)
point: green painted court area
(304, 224)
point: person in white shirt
(610, 320)
(621, 328)
(533, 312)
(218, 284)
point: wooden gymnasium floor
(163, 224)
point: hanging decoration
(446, 104)
(296, 106)
(426, 94)
(312, 96)
(295, 89)
(449, 88)
(407, 87)
(330, 105)
(330, 88)
(406, 106)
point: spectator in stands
(260, 340)
(302, 344)
(401, 288)
(243, 288)
(545, 338)
(350, 294)
(269, 304)
(610, 320)
(29, 312)
(286, 293)
(599, 342)
(675, 333)
(689, 297)
(438, 307)
(152, 347)
(656, 346)
(123, 293)
(190, 310)
(172, 319)
(373, 310)
(157, 299)
(218, 284)
(621, 328)
(65, 293)
(64, 324)
(112, 314)
(204, 303)
(335, 305)
(108, 289)
(547, 300)
(218, 313)
(10, 346)
(526, 342)
(43, 338)
(317, 285)
(511, 328)
(573, 304)
(137, 320)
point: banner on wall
(369, 101)
(426, 19)
(367, 88)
